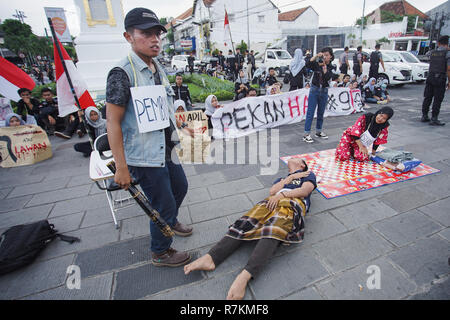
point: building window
(261, 19)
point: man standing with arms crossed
(435, 85)
(147, 155)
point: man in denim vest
(146, 155)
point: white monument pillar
(100, 44)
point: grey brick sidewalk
(402, 228)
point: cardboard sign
(196, 149)
(150, 107)
(252, 114)
(23, 145)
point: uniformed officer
(375, 60)
(357, 62)
(436, 82)
(182, 92)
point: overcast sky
(331, 12)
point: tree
(242, 46)
(383, 40)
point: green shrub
(36, 93)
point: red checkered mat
(338, 178)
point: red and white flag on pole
(66, 101)
(227, 34)
(12, 78)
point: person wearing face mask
(370, 130)
(211, 105)
(148, 155)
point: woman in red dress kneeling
(369, 130)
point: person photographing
(320, 64)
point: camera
(320, 60)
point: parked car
(277, 59)
(397, 73)
(419, 69)
(180, 62)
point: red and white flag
(66, 101)
(227, 34)
(12, 78)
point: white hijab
(297, 63)
(209, 109)
(179, 103)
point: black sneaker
(321, 135)
(308, 139)
(425, 118)
(436, 122)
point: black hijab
(373, 126)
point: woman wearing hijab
(179, 105)
(370, 91)
(211, 104)
(370, 130)
(97, 127)
(241, 86)
(13, 120)
(297, 68)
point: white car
(277, 59)
(419, 69)
(396, 72)
(180, 62)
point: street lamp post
(362, 20)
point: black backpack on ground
(21, 244)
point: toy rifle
(144, 203)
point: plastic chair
(104, 178)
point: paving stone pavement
(401, 230)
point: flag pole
(231, 38)
(69, 80)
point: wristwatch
(183, 125)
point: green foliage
(202, 85)
(358, 22)
(383, 40)
(215, 52)
(36, 93)
(242, 46)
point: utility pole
(20, 15)
(362, 21)
(248, 30)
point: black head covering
(373, 126)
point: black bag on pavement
(21, 244)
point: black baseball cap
(142, 18)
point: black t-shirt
(49, 108)
(297, 183)
(118, 92)
(23, 110)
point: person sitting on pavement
(382, 93)
(28, 107)
(252, 92)
(182, 92)
(272, 221)
(241, 86)
(96, 125)
(274, 89)
(369, 91)
(211, 105)
(370, 130)
(48, 111)
(13, 120)
(345, 82)
(271, 78)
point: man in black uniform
(375, 60)
(357, 62)
(182, 92)
(191, 60)
(239, 62)
(231, 60)
(436, 82)
(221, 59)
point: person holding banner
(140, 126)
(211, 105)
(272, 221)
(13, 120)
(318, 94)
(370, 130)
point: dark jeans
(344, 68)
(357, 70)
(373, 72)
(263, 251)
(83, 147)
(165, 188)
(71, 127)
(318, 97)
(434, 92)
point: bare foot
(237, 289)
(203, 263)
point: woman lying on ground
(277, 219)
(370, 130)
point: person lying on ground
(370, 130)
(275, 220)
